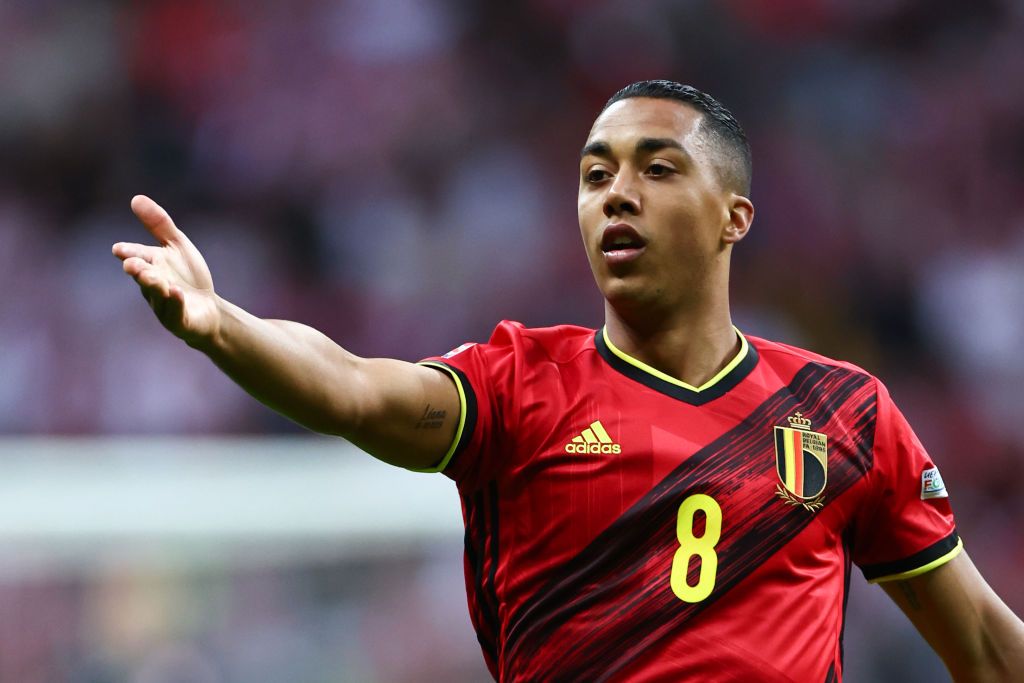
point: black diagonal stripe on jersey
(605, 583)
(823, 400)
(479, 535)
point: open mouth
(621, 242)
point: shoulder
(778, 354)
(784, 362)
(559, 343)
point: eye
(657, 169)
(595, 175)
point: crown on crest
(798, 421)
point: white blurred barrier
(75, 504)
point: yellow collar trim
(744, 349)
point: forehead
(646, 117)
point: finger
(156, 220)
(133, 265)
(174, 305)
(147, 277)
(169, 309)
(153, 284)
(125, 250)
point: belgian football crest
(801, 460)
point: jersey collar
(731, 375)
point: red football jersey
(622, 525)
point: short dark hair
(724, 133)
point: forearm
(379, 404)
(999, 649)
(290, 367)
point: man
(663, 499)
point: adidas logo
(594, 439)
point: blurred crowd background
(401, 174)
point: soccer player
(662, 499)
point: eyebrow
(645, 145)
(658, 144)
(597, 149)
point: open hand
(173, 276)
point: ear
(741, 215)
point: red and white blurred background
(401, 174)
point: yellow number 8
(703, 547)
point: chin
(625, 294)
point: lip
(615, 256)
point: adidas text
(593, 448)
(593, 439)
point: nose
(622, 196)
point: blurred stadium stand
(400, 174)
(210, 560)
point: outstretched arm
(377, 404)
(977, 636)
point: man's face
(653, 213)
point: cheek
(697, 217)
(683, 215)
(589, 213)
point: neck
(692, 345)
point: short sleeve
(486, 378)
(904, 526)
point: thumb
(156, 220)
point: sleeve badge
(932, 485)
(456, 351)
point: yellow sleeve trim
(744, 347)
(938, 562)
(439, 467)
